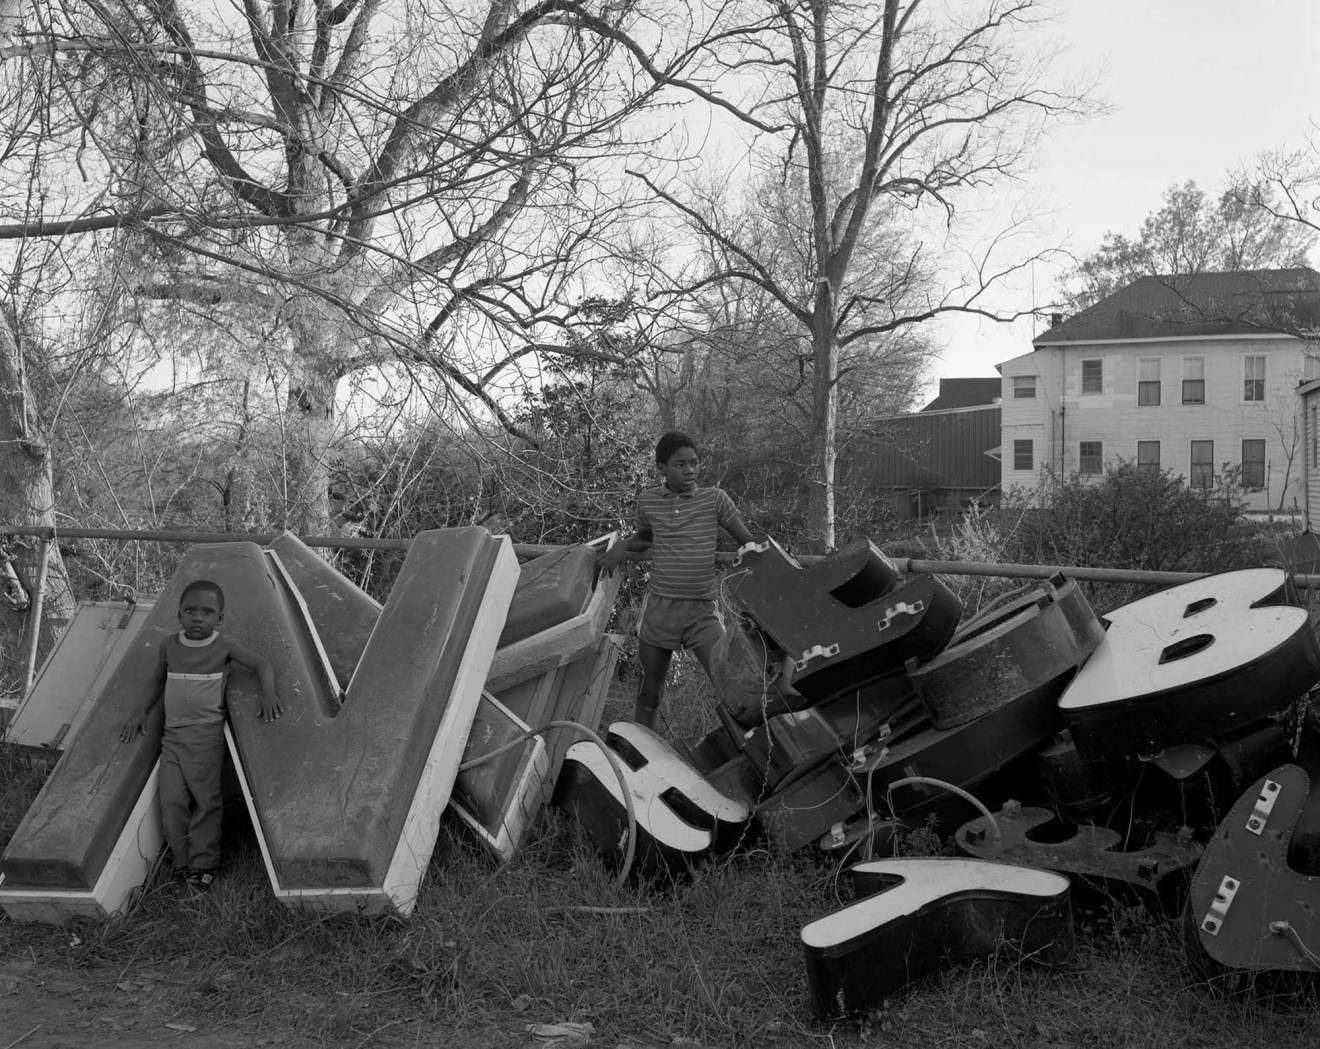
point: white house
(1195, 374)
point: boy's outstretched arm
(740, 531)
(639, 541)
(135, 722)
(270, 702)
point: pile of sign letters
(1159, 752)
(1164, 751)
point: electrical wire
(1281, 927)
(630, 851)
(965, 795)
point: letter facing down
(348, 799)
(848, 619)
(923, 914)
(680, 818)
(1248, 907)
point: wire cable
(1281, 927)
(907, 780)
(630, 851)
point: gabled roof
(1245, 302)
(965, 393)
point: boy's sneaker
(200, 880)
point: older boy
(190, 677)
(679, 523)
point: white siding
(1061, 416)
(1310, 407)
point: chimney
(1056, 319)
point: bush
(1129, 519)
(1134, 518)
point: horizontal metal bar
(530, 550)
(525, 550)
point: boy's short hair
(670, 443)
(203, 584)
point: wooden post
(36, 609)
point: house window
(1203, 464)
(1193, 383)
(1093, 376)
(1022, 455)
(1253, 379)
(1253, 464)
(1091, 457)
(1024, 386)
(1148, 456)
(1148, 381)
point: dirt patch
(45, 1006)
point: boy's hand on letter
(270, 708)
(609, 560)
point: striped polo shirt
(683, 532)
(195, 681)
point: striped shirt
(195, 680)
(684, 528)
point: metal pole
(530, 550)
(34, 613)
(1089, 575)
(523, 550)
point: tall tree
(1284, 185)
(371, 183)
(27, 495)
(734, 367)
(1190, 233)
(863, 109)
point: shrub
(1134, 518)
(1129, 519)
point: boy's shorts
(679, 622)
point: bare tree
(1244, 229)
(376, 185)
(27, 496)
(862, 109)
(1284, 416)
(1285, 185)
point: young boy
(678, 521)
(190, 677)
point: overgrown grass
(552, 937)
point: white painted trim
(422, 824)
(126, 869)
(523, 800)
(646, 787)
(679, 775)
(920, 883)
(559, 644)
(327, 668)
(248, 800)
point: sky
(1194, 88)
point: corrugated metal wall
(929, 450)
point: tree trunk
(824, 418)
(27, 498)
(310, 419)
